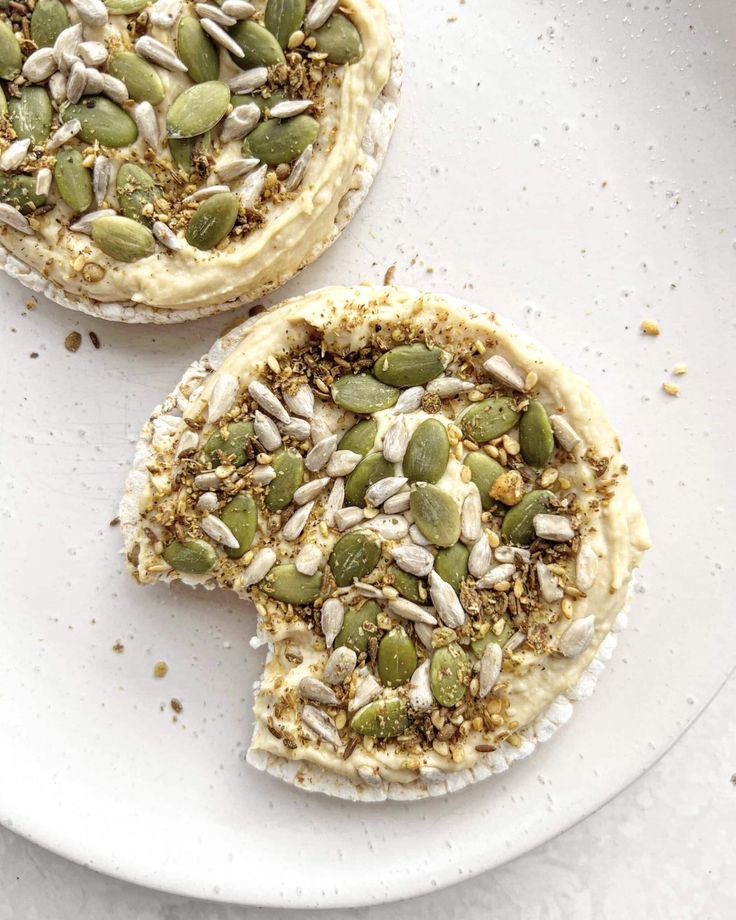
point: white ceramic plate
(570, 164)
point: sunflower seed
(249, 80)
(240, 122)
(301, 401)
(312, 689)
(320, 723)
(309, 559)
(500, 368)
(416, 535)
(215, 13)
(222, 38)
(471, 526)
(388, 526)
(577, 637)
(76, 82)
(515, 641)
(268, 401)
(166, 236)
(409, 400)
(332, 616)
(377, 494)
(490, 668)
(266, 431)
(262, 475)
(68, 60)
(40, 65)
(94, 81)
(297, 428)
(234, 169)
(290, 107)
(397, 503)
(261, 564)
(219, 531)
(113, 88)
(511, 554)
(407, 610)
(158, 53)
(63, 134)
(67, 41)
(366, 690)
(297, 522)
(320, 430)
(548, 584)
(14, 154)
(497, 574)
(238, 9)
(480, 558)
(251, 188)
(342, 463)
(298, 170)
(446, 602)
(14, 219)
(555, 527)
(164, 13)
(395, 441)
(91, 12)
(222, 396)
(347, 517)
(566, 436)
(413, 559)
(207, 501)
(94, 54)
(207, 191)
(586, 567)
(43, 181)
(145, 118)
(57, 87)
(447, 387)
(320, 453)
(310, 490)
(424, 632)
(319, 12)
(207, 481)
(340, 665)
(420, 693)
(335, 501)
(366, 590)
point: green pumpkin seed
(285, 583)
(397, 658)
(198, 109)
(260, 48)
(353, 633)
(362, 394)
(518, 525)
(371, 469)
(183, 150)
(535, 435)
(339, 40)
(136, 188)
(283, 18)
(275, 141)
(451, 564)
(213, 220)
(262, 102)
(126, 7)
(410, 365)
(193, 557)
(355, 555)
(122, 238)
(20, 191)
(489, 419)
(289, 469)
(409, 586)
(484, 471)
(10, 56)
(360, 438)
(31, 113)
(197, 50)
(48, 20)
(236, 448)
(241, 516)
(449, 674)
(73, 180)
(427, 453)
(140, 79)
(436, 514)
(382, 719)
(479, 645)
(103, 121)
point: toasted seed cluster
(87, 121)
(426, 553)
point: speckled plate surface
(572, 155)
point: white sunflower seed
(207, 481)
(397, 503)
(310, 490)
(215, 13)
(320, 429)
(57, 87)
(43, 181)
(500, 368)
(320, 723)
(207, 501)
(166, 236)
(548, 584)
(408, 610)
(207, 191)
(409, 400)
(367, 689)
(312, 689)
(293, 528)
(471, 523)
(14, 219)
(497, 574)
(94, 54)
(320, 453)
(424, 632)
(565, 434)
(188, 442)
(67, 42)
(418, 537)
(164, 13)
(335, 501)
(219, 531)
(14, 154)
(222, 396)
(420, 693)
(297, 428)
(340, 665)
(555, 527)
(413, 559)
(251, 188)
(262, 475)
(299, 169)
(388, 526)
(40, 65)
(577, 637)
(76, 82)
(113, 88)
(319, 12)
(446, 602)
(480, 558)
(490, 668)
(266, 431)
(158, 53)
(84, 224)
(447, 387)
(68, 60)
(238, 9)
(511, 554)
(366, 590)
(344, 518)
(309, 559)
(515, 641)
(290, 107)
(377, 494)
(240, 122)
(234, 169)
(586, 567)
(267, 400)
(261, 564)
(331, 619)
(91, 12)
(395, 441)
(248, 80)
(301, 401)
(221, 37)
(342, 463)
(147, 121)
(94, 81)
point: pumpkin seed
(409, 586)
(449, 674)
(518, 525)
(354, 555)
(260, 48)
(184, 149)
(370, 470)
(197, 50)
(289, 469)
(20, 192)
(192, 557)
(262, 102)
(362, 394)
(426, 456)
(140, 79)
(235, 447)
(410, 365)
(122, 238)
(73, 179)
(136, 188)
(102, 120)
(352, 633)
(241, 516)
(484, 471)
(125, 7)
(339, 40)
(285, 583)
(489, 419)
(198, 109)
(451, 564)
(213, 220)
(435, 514)
(479, 645)
(535, 435)
(397, 658)
(283, 18)
(360, 438)
(48, 20)
(275, 141)
(382, 719)
(10, 56)
(31, 113)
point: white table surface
(662, 849)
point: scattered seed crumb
(176, 705)
(160, 669)
(650, 327)
(389, 276)
(114, 522)
(94, 339)
(452, 18)
(733, 779)
(118, 648)
(679, 369)
(72, 341)
(33, 354)
(671, 389)
(31, 304)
